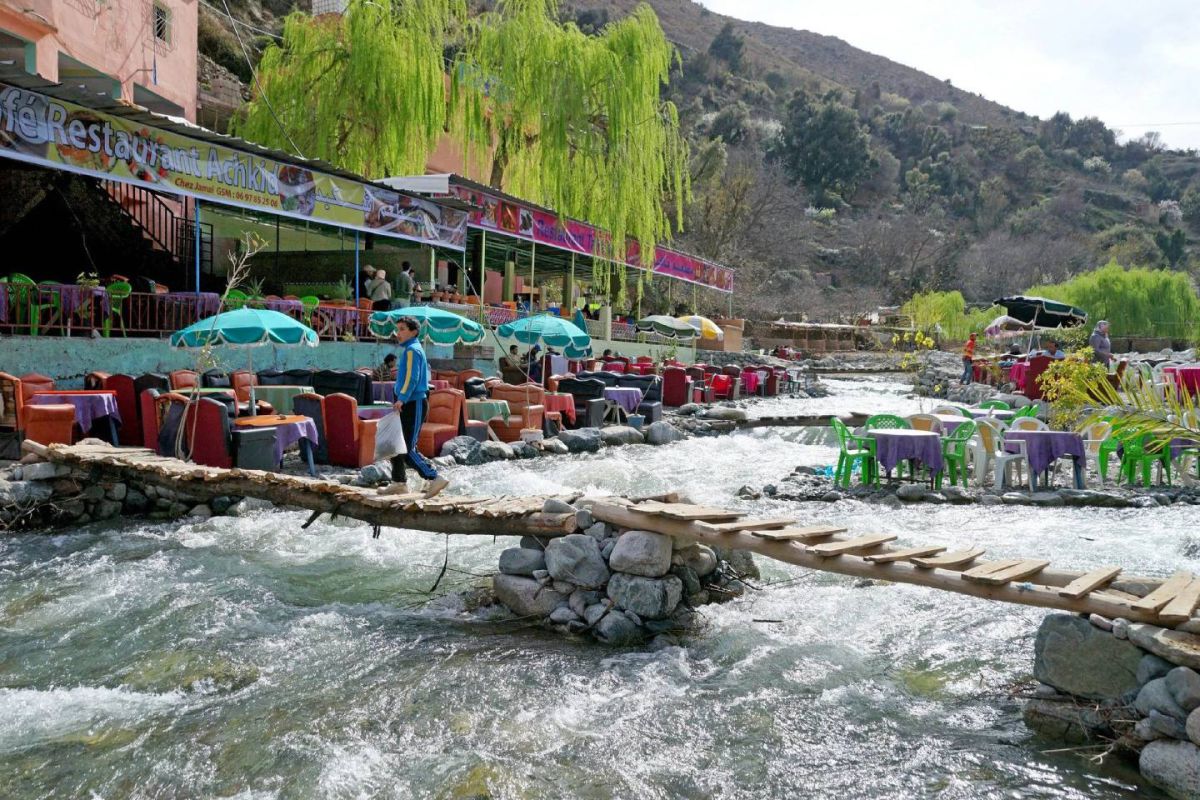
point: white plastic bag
(389, 437)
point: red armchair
(526, 410)
(1033, 389)
(351, 440)
(241, 380)
(184, 379)
(724, 387)
(207, 431)
(443, 416)
(677, 387)
(130, 432)
(50, 424)
(148, 415)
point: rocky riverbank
(1132, 685)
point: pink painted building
(138, 51)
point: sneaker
(394, 488)
(435, 486)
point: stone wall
(1132, 684)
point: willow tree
(364, 90)
(575, 122)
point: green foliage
(1190, 205)
(947, 311)
(575, 122)
(365, 90)
(1136, 302)
(1060, 383)
(823, 147)
(728, 46)
(1172, 245)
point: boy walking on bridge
(412, 387)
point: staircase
(163, 223)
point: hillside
(881, 180)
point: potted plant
(342, 290)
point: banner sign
(524, 222)
(42, 130)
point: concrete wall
(67, 360)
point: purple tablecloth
(950, 422)
(88, 407)
(288, 433)
(73, 297)
(895, 445)
(343, 318)
(1046, 447)
(290, 307)
(383, 391)
(627, 397)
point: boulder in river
(1175, 646)
(617, 630)
(583, 440)
(663, 432)
(621, 434)
(522, 561)
(576, 558)
(525, 597)
(1075, 657)
(1173, 766)
(652, 598)
(641, 553)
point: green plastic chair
(235, 299)
(955, 449)
(1137, 456)
(47, 298)
(996, 405)
(118, 293)
(1027, 411)
(886, 421)
(853, 448)
(310, 303)
(26, 299)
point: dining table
(383, 391)
(562, 402)
(1043, 448)
(483, 410)
(950, 421)
(290, 429)
(91, 406)
(280, 396)
(893, 445)
(627, 397)
(1017, 372)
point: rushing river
(244, 657)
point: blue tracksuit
(412, 387)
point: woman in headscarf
(1100, 344)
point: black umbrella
(1041, 312)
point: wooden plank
(1165, 593)
(1019, 571)
(831, 549)
(689, 512)
(1089, 582)
(957, 558)
(748, 525)
(903, 555)
(1181, 607)
(809, 534)
(988, 567)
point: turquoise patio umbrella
(549, 330)
(437, 325)
(245, 327)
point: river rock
(496, 451)
(1177, 647)
(607, 548)
(576, 558)
(1047, 499)
(200, 511)
(1154, 696)
(562, 615)
(137, 503)
(597, 530)
(688, 409)
(699, 557)
(1077, 658)
(107, 509)
(911, 492)
(593, 613)
(42, 471)
(1151, 666)
(1173, 766)
(524, 450)
(691, 581)
(1120, 629)
(220, 505)
(641, 553)
(583, 440)
(564, 588)
(380, 472)
(584, 520)
(464, 450)
(1184, 686)
(117, 492)
(725, 413)
(555, 506)
(533, 543)
(652, 598)
(740, 561)
(580, 599)
(1192, 726)
(1066, 721)
(22, 492)
(554, 447)
(617, 630)
(1144, 729)
(621, 434)
(525, 597)
(522, 561)
(663, 432)
(1167, 726)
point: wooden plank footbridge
(1028, 581)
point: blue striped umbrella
(245, 327)
(549, 330)
(437, 325)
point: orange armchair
(184, 379)
(130, 432)
(50, 424)
(526, 410)
(241, 380)
(443, 414)
(351, 440)
(32, 383)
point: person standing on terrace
(968, 359)
(1100, 343)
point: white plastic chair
(1094, 436)
(925, 422)
(996, 455)
(1028, 424)
(951, 410)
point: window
(162, 23)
